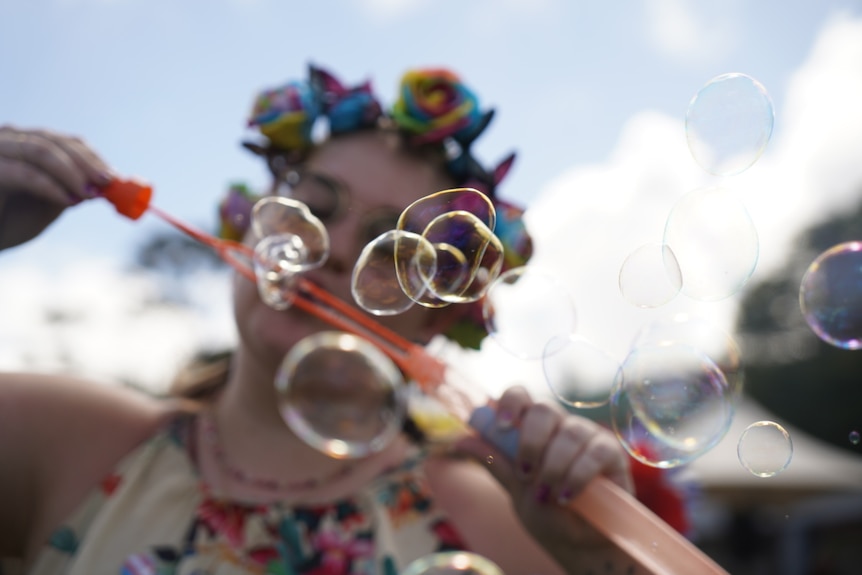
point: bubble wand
(611, 510)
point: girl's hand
(41, 174)
(557, 455)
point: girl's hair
(202, 377)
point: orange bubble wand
(611, 510)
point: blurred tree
(175, 257)
(811, 384)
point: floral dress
(154, 516)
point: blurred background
(592, 96)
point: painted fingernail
(504, 419)
(565, 496)
(104, 178)
(91, 191)
(542, 493)
(526, 468)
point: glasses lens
(319, 193)
(378, 222)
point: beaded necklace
(269, 484)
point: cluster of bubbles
(674, 396)
(710, 246)
(671, 398)
(443, 251)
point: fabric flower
(235, 212)
(338, 551)
(433, 104)
(285, 115)
(510, 228)
(225, 518)
(348, 109)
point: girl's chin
(278, 337)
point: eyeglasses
(329, 200)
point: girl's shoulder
(58, 437)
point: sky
(592, 96)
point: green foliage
(805, 381)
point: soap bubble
(376, 285)
(703, 335)
(715, 243)
(728, 124)
(459, 223)
(290, 241)
(277, 261)
(650, 276)
(524, 309)
(469, 256)
(670, 404)
(765, 449)
(341, 394)
(277, 215)
(830, 295)
(452, 563)
(578, 372)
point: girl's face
(377, 180)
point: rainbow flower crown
(433, 108)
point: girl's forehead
(374, 165)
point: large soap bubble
(340, 394)
(670, 404)
(729, 123)
(830, 295)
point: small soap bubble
(714, 241)
(650, 276)
(278, 259)
(578, 372)
(341, 395)
(728, 124)
(765, 449)
(830, 295)
(855, 437)
(524, 309)
(280, 216)
(452, 563)
(376, 285)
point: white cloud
(90, 319)
(691, 32)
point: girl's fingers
(602, 455)
(539, 424)
(65, 160)
(18, 175)
(568, 443)
(95, 170)
(511, 407)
